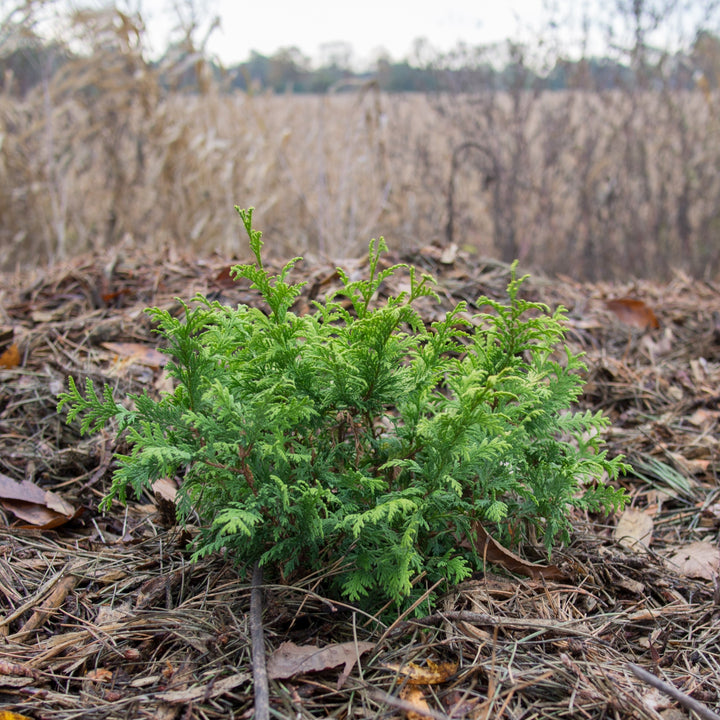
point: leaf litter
(103, 616)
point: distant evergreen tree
(288, 70)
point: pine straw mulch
(104, 617)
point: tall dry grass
(595, 185)
(104, 153)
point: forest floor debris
(103, 616)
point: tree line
(289, 71)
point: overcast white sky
(368, 25)
(373, 26)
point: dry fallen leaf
(696, 560)
(291, 659)
(157, 587)
(224, 277)
(10, 358)
(433, 674)
(657, 700)
(99, 675)
(205, 692)
(7, 715)
(18, 669)
(131, 352)
(414, 695)
(166, 488)
(165, 491)
(656, 347)
(633, 312)
(673, 714)
(712, 512)
(634, 529)
(41, 508)
(448, 255)
(703, 416)
(688, 466)
(107, 615)
(492, 551)
(460, 704)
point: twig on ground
(475, 618)
(66, 579)
(260, 680)
(685, 700)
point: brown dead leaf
(433, 674)
(634, 529)
(113, 295)
(165, 492)
(687, 466)
(660, 346)
(673, 714)
(633, 312)
(291, 659)
(448, 255)
(25, 491)
(165, 488)
(492, 551)
(107, 615)
(459, 704)
(700, 371)
(8, 715)
(224, 277)
(657, 700)
(205, 692)
(157, 587)
(10, 358)
(19, 669)
(696, 560)
(41, 508)
(414, 695)
(703, 416)
(99, 675)
(137, 353)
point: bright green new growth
(358, 438)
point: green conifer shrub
(358, 437)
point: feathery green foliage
(356, 436)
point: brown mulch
(105, 617)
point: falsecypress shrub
(359, 437)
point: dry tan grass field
(589, 185)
